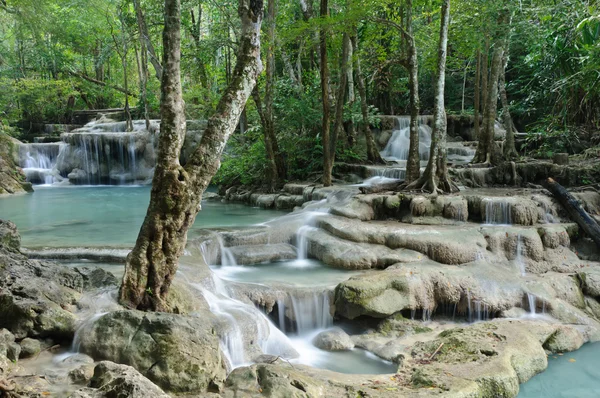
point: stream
(109, 217)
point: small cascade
(519, 256)
(398, 145)
(245, 330)
(477, 310)
(302, 242)
(531, 299)
(396, 173)
(497, 211)
(38, 162)
(307, 313)
(548, 217)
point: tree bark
(177, 191)
(487, 150)
(325, 134)
(413, 163)
(143, 75)
(144, 35)
(195, 32)
(575, 210)
(485, 74)
(476, 100)
(372, 153)
(435, 179)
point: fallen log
(575, 210)
(382, 187)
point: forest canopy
(61, 56)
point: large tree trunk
(372, 153)
(476, 100)
(177, 191)
(435, 179)
(325, 134)
(413, 164)
(145, 36)
(510, 151)
(487, 150)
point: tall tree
(177, 190)
(267, 116)
(145, 37)
(413, 164)
(373, 155)
(435, 179)
(477, 96)
(325, 133)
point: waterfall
(244, 327)
(532, 304)
(398, 145)
(302, 242)
(101, 152)
(307, 312)
(497, 211)
(519, 256)
(39, 161)
(214, 252)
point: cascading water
(398, 145)
(307, 312)
(102, 152)
(39, 161)
(497, 211)
(519, 256)
(239, 319)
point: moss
(421, 329)
(420, 379)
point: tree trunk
(326, 139)
(485, 74)
(575, 210)
(487, 150)
(269, 89)
(413, 163)
(435, 179)
(372, 153)
(143, 74)
(177, 191)
(338, 124)
(272, 173)
(476, 100)
(195, 32)
(144, 35)
(510, 151)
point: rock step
(296, 188)
(257, 254)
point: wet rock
(12, 179)
(447, 245)
(341, 253)
(29, 347)
(333, 340)
(256, 254)
(272, 381)
(8, 348)
(590, 280)
(112, 380)
(288, 202)
(564, 339)
(423, 286)
(179, 353)
(97, 278)
(35, 297)
(9, 236)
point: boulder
(334, 339)
(29, 347)
(12, 179)
(9, 236)
(112, 380)
(8, 348)
(179, 353)
(564, 339)
(35, 296)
